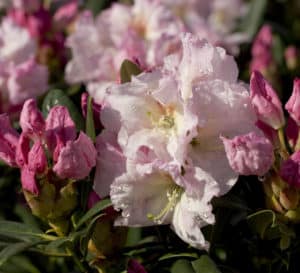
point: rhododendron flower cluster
(144, 33)
(161, 153)
(21, 76)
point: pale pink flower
(27, 80)
(20, 76)
(265, 101)
(165, 144)
(249, 154)
(8, 141)
(143, 33)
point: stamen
(173, 195)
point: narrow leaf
(94, 211)
(14, 249)
(90, 125)
(254, 17)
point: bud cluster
(50, 157)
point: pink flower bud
(292, 132)
(28, 180)
(290, 170)
(31, 120)
(268, 131)
(76, 159)
(8, 141)
(59, 125)
(65, 14)
(293, 104)
(22, 150)
(135, 267)
(263, 41)
(37, 160)
(291, 55)
(27, 5)
(249, 154)
(265, 101)
(93, 199)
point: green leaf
(96, 209)
(24, 263)
(127, 70)
(182, 266)
(134, 236)
(205, 264)
(58, 97)
(27, 218)
(278, 49)
(90, 125)
(14, 249)
(21, 231)
(260, 221)
(254, 17)
(96, 6)
(178, 255)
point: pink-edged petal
(111, 163)
(249, 154)
(76, 159)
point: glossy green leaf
(205, 264)
(58, 97)
(96, 209)
(182, 266)
(90, 125)
(129, 69)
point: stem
(77, 261)
(283, 148)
